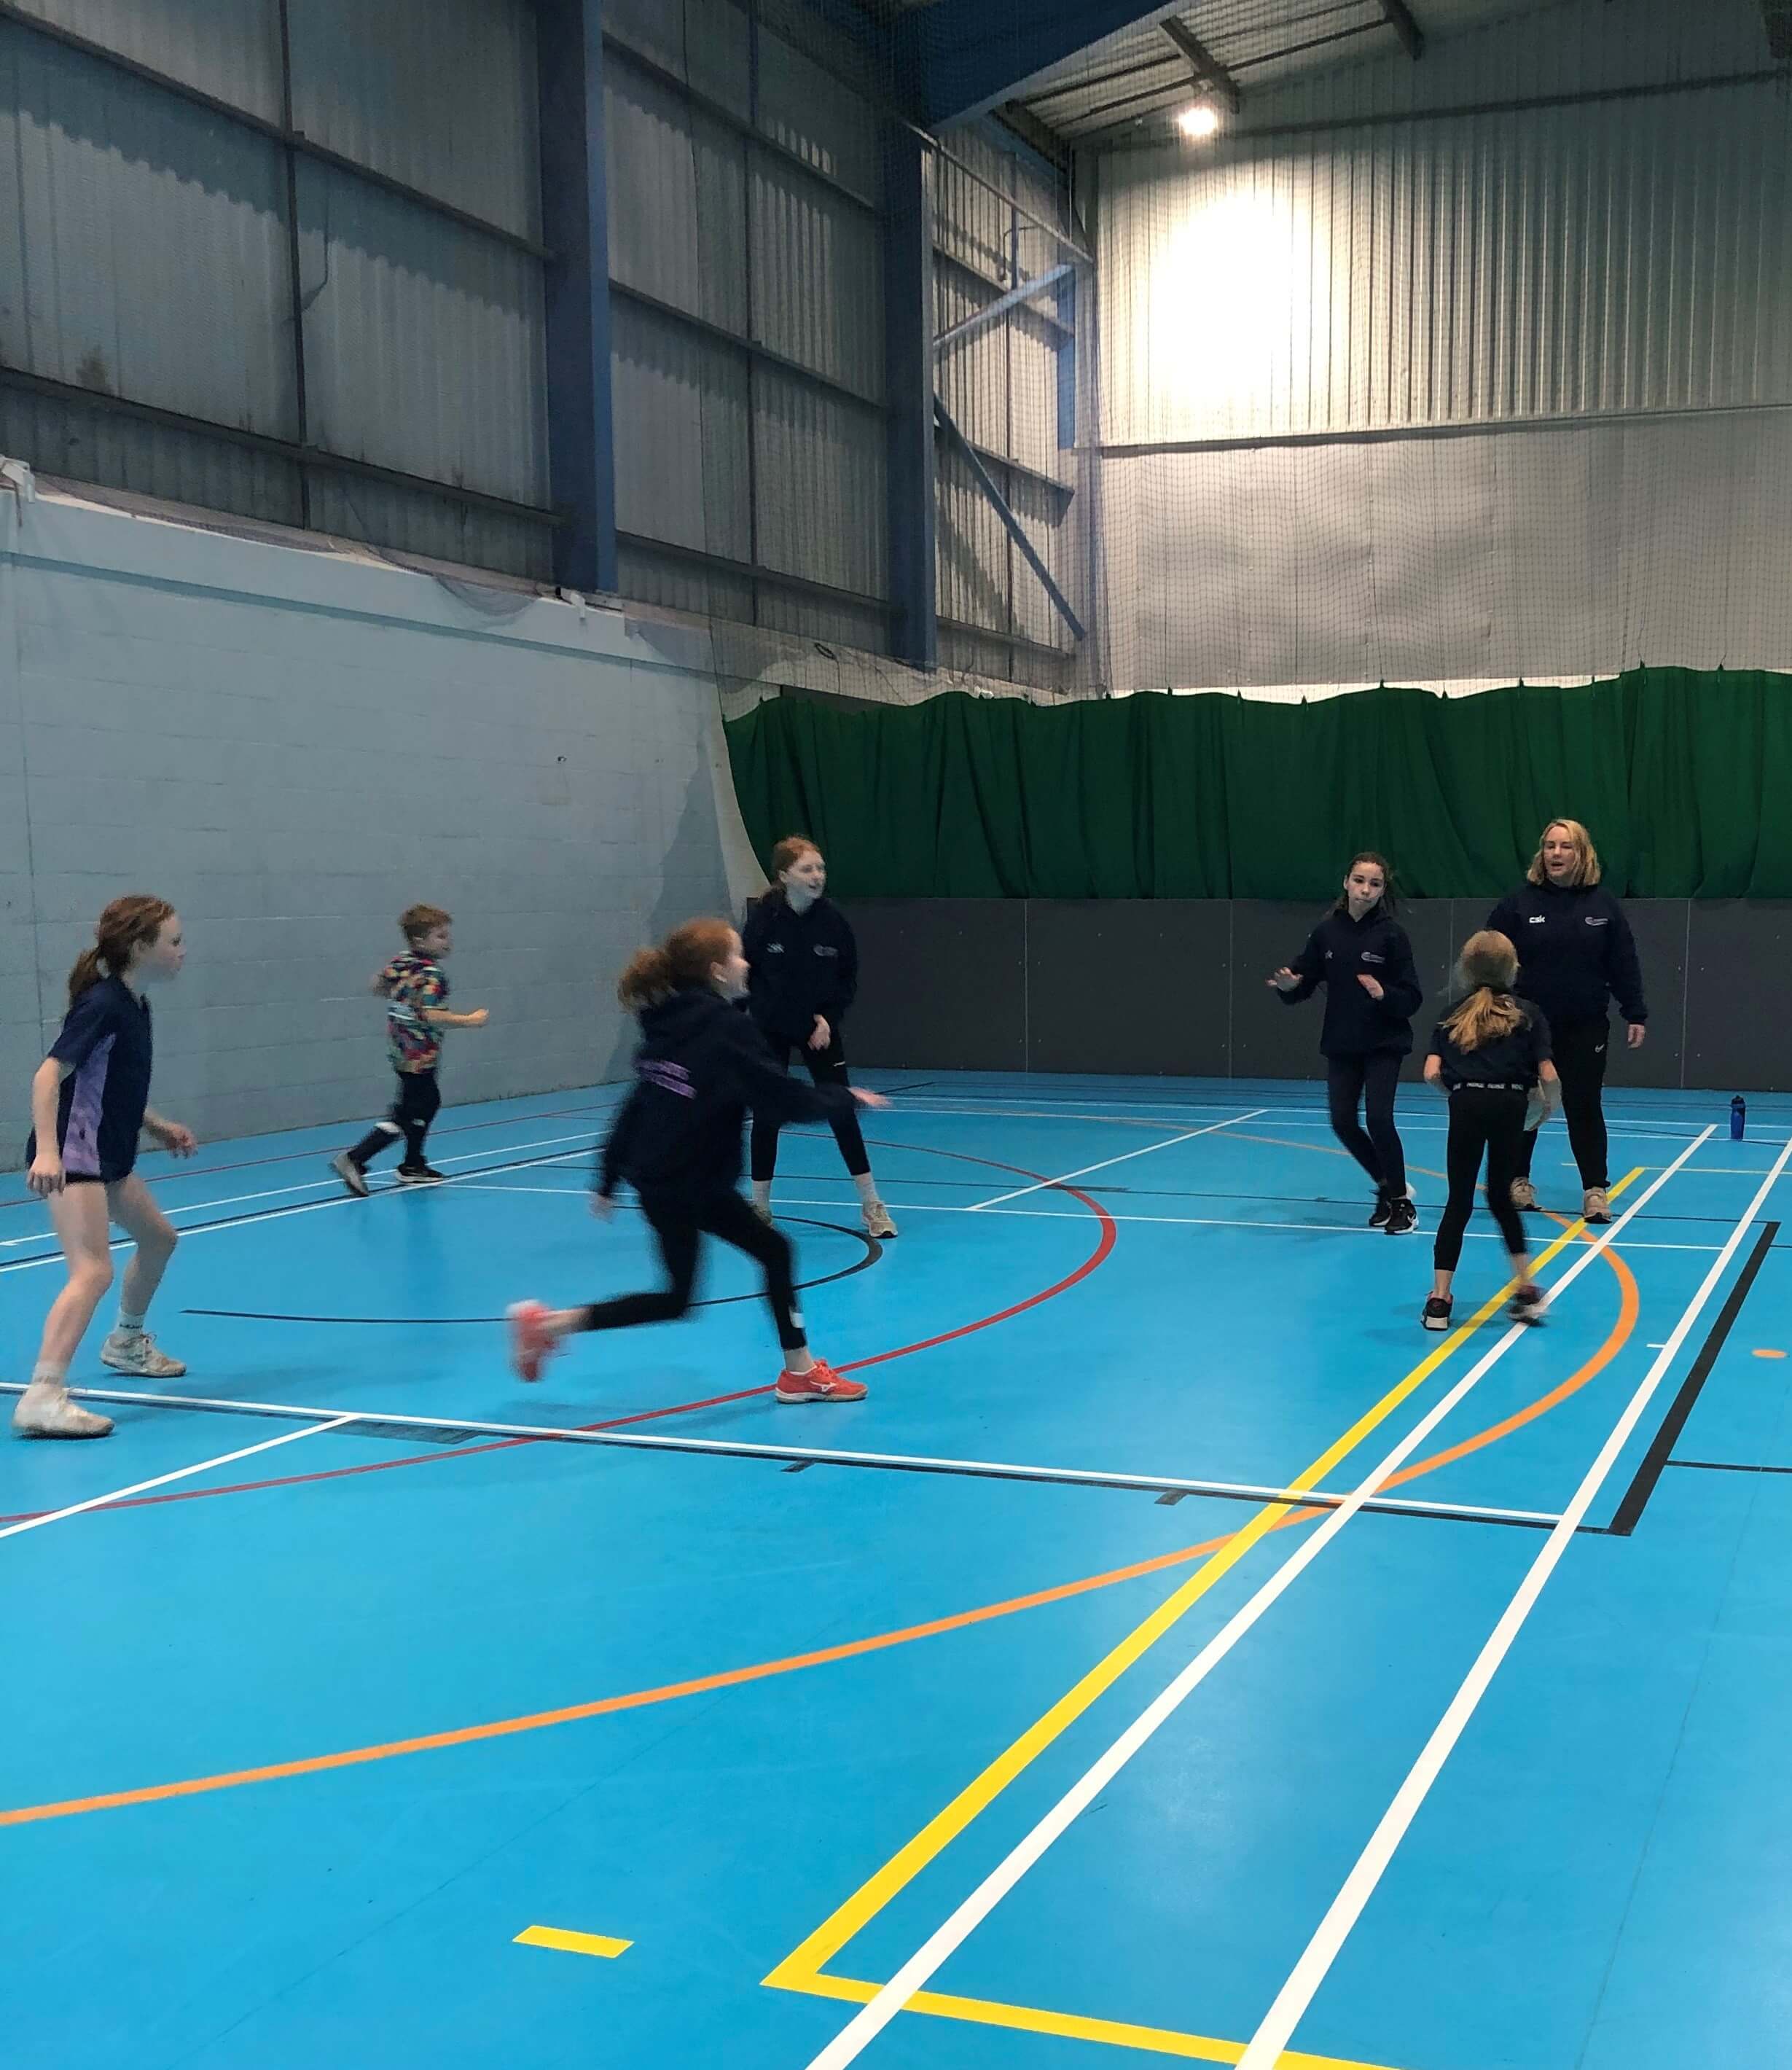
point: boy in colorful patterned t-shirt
(415, 987)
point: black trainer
(1527, 1304)
(1402, 1217)
(1436, 1315)
(1384, 1206)
(419, 1175)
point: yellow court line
(801, 1969)
(1073, 2027)
(569, 1943)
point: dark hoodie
(1338, 950)
(1575, 951)
(701, 1066)
(802, 964)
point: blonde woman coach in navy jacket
(1360, 953)
(1575, 954)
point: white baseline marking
(1082, 1171)
(180, 1473)
(913, 1976)
(1074, 1476)
(1291, 2002)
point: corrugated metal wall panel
(677, 186)
(383, 514)
(85, 443)
(424, 342)
(817, 278)
(972, 549)
(673, 585)
(1617, 255)
(145, 252)
(971, 376)
(811, 112)
(680, 405)
(439, 93)
(230, 48)
(821, 486)
(704, 42)
(810, 619)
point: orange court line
(761, 1670)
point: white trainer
(44, 1410)
(134, 1352)
(877, 1220)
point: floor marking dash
(569, 1943)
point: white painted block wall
(293, 746)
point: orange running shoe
(821, 1383)
(531, 1344)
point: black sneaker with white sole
(1436, 1313)
(419, 1175)
(1402, 1217)
(1384, 1206)
(1527, 1304)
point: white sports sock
(868, 1187)
(47, 1373)
(762, 1192)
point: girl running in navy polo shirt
(90, 1102)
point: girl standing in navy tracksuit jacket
(1575, 954)
(1360, 953)
(805, 966)
(677, 1141)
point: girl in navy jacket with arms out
(1360, 953)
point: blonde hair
(1486, 968)
(1586, 856)
(688, 956)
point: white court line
(1076, 1215)
(913, 1462)
(333, 1422)
(1082, 1171)
(1290, 1117)
(1291, 2002)
(914, 1975)
(343, 1199)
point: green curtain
(1684, 779)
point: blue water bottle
(1738, 1115)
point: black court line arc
(1726, 1466)
(1635, 1499)
(874, 1250)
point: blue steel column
(908, 314)
(575, 225)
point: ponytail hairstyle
(1388, 904)
(1488, 966)
(126, 924)
(686, 959)
(1586, 868)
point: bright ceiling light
(1199, 121)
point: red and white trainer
(532, 1344)
(821, 1383)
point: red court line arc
(1096, 1257)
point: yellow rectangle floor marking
(1073, 2027)
(801, 1969)
(570, 1943)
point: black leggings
(1371, 1080)
(1493, 1122)
(679, 1224)
(419, 1102)
(827, 1067)
(1580, 1050)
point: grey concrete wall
(292, 747)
